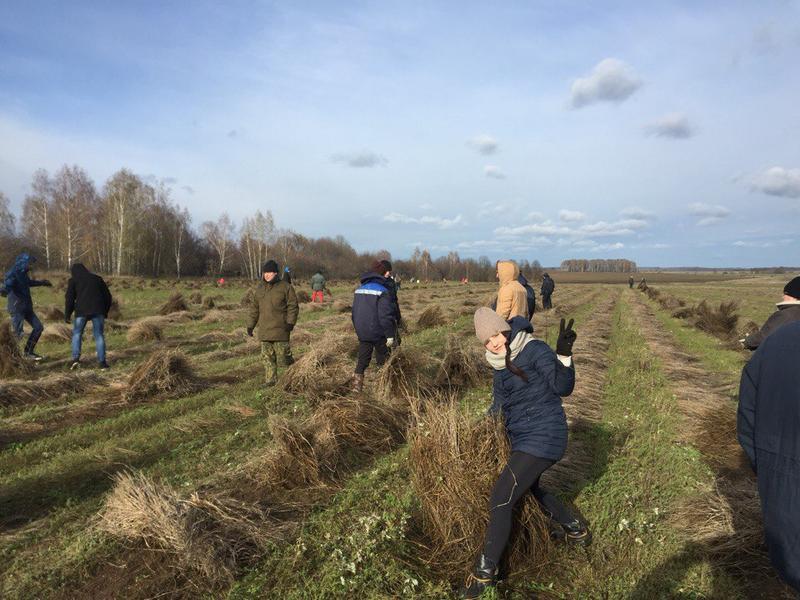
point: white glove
(390, 342)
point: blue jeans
(18, 318)
(99, 340)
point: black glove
(46, 283)
(289, 326)
(250, 331)
(566, 337)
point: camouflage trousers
(273, 354)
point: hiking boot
(104, 365)
(577, 533)
(482, 578)
(33, 356)
(76, 364)
(358, 382)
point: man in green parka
(318, 287)
(274, 310)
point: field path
(726, 524)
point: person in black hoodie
(88, 297)
(529, 381)
(548, 287)
(375, 315)
(788, 311)
(768, 428)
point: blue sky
(667, 132)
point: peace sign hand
(566, 337)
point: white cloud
(600, 228)
(571, 216)
(778, 181)
(494, 172)
(440, 222)
(492, 208)
(615, 228)
(546, 228)
(479, 244)
(611, 80)
(673, 125)
(361, 160)
(634, 212)
(534, 216)
(485, 144)
(711, 214)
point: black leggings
(365, 354)
(520, 475)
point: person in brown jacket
(512, 299)
(788, 312)
(274, 309)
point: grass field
(305, 490)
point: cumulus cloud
(634, 212)
(673, 125)
(611, 80)
(778, 181)
(571, 216)
(598, 229)
(440, 222)
(710, 214)
(546, 228)
(485, 144)
(360, 160)
(494, 172)
(492, 208)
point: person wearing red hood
(88, 297)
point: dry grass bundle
(642, 286)
(11, 362)
(462, 366)
(684, 313)
(214, 316)
(303, 296)
(431, 317)
(454, 463)
(59, 332)
(721, 322)
(46, 388)
(670, 302)
(750, 327)
(209, 302)
(206, 534)
(115, 312)
(405, 373)
(164, 372)
(340, 306)
(652, 293)
(324, 368)
(175, 303)
(146, 330)
(52, 313)
(196, 298)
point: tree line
(132, 226)
(602, 265)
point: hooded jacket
(787, 313)
(317, 282)
(530, 295)
(768, 428)
(532, 411)
(548, 286)
(87, 294)
(374, 314)
(18, 284)
(274, 307)
(512, 299)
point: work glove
(566, 337)
(250, 331)
(390, 342)
(289, 327)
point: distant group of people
(87, 297)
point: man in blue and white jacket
(375, 320)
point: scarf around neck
(498, 361)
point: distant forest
(132, 227)
(614, 265)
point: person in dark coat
(531, 295)
(768, 428)
(88, 297)
(529, 382)
(630, 282)
(547, 289)
(788, 312)
(375, 320)
(17, 286)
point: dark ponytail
(511, 366)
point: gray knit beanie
(489, 323)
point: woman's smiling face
(496, 344)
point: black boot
(577, 533)
(483, 577)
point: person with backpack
(318, 287)
(530, 295)
(548, 287)
(512, 299)
(275, 310)
(529, 382)
(17, 286)
(788, 311)
(768, 429)
(375, 317)
(89, 298)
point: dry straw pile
(175, 303)
(146, 330)
(11, 362)
(325, 368)
(165, 372)
(46, 388)
(431, 317)
(455, 460)
(59, 332)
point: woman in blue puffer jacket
(529, 382)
